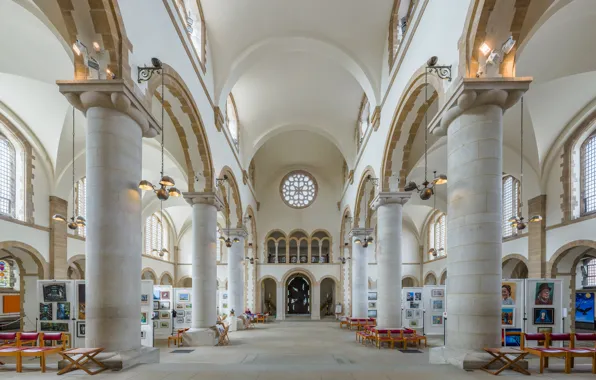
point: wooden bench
(344, 322)
(260, 318)
(544, 352)
(26, 346)
(581, 352)
(411, 336)
(8, 339)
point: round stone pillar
(389, 208)
(235, 271)
(359, 276)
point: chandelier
(368, 238)
(228, 242)
(75, 221)
(166, 187)
(426, 188)
(518, 221)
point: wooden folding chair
(223, 340)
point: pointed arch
(150, 273)
(235, 195)
(360, 196)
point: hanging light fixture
(368, 238)
(75, 221)
(518, 221)
(426, 188)
(166, 188)
(228, 242)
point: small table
(500, 355)
(86, 355)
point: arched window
(398, 24)
(511, 204)
(81, 202)
(363, 119)
(591, 273)
(588, 176)
(156, 237)
(192, 14)
(437, 236)
(5, 274)
(232, 119)
(8, 184)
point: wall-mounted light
(494, 56)
(485, 49)
(79, 48)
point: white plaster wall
(160, 267)
(554, 190)
(38, 239)
(74, 247)
(30, 303)
(41, 196)
(435, 266)
(519, 246)
(558, 237)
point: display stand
(79, 309)
(147, 332)
(162, 303)
(513, 310)
(56, 306)
(434, 305)
(183, 307)
(543, 305)
(412, 306)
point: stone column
(235, 276)
(347, 282)
(359, 274)
(204, 266)
(116, 124)
(389, 208)
(537, 238)
(474, 126)
(58, 239)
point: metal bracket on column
(442, 71)
(146, 72)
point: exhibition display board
(434, 303)
(183, 307)
(412, 308)
(56, 300)
(80, 307)
(372, 304)
(147, 313)
(162, 311)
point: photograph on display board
(508, 293)
(144, 318)
(80, 329)
(584, 307)
(179, 306)
(372, 313)
(184, 297)
(544, 330)
(413, 323)
(164, 305)
(180, 313)
(54, 292)
(156, 294)
(188, 306)
(164, 324)
(437, 305)
(372, 305)
(164, 315)
(437, 293)
(409, 314)
(143, 334)
(179, 319)
(417, 314)
(45, 312)
(144, 299)
(63, 311)
(544, 293)
(188, 313)
(156, 305)
(225, 305)
(225, 296)
(417, 296)
(188, 319)
(53, 326)
(508, 316)
(81, 296)
(414, 305)
(154, 315)
(410, 296)
(165, 295)
(544, 316)
(372, 296)
(512, 340)
(437, 320)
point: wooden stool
(85, 355)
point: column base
(117, 361)
(199, 337)
(465, 359)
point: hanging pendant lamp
(78, 220)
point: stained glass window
(298, 189)
(5, 274)
(588, 175)
(511, 204)
(8, 185)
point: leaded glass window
(8, 185)
(298, 189)
(153, 235)
(588, 175)
(192, 14)
(511, 204)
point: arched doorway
(514, 267)
(327, 297)
(269, 296)
(298, 301)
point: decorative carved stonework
(208, 198)
(384, 198)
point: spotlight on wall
(79, 48)
(96, 46)
(485, 49)
(508, 45)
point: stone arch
(164, 277)
(149, 274)
(368, 171)
(404, 107)
(43, 268)
(299, 271)
(178, 88)
(561, 252)
(183, 282)
(430, 278)
(407, 280)
(515, 266)
(75, 263)
(235, 195)
(327, 237)
(260, 297)
(443, 277)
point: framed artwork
(165, 295)
(225, 305)
(164, 315)
(544, 330)
(54, 292)
(372, 313)
(437, 293)
(413, 323)
(544, 293)
(154, 315)
(188, 313)
(508, 316)
(180, 313)
(63, 311)
(144, 299)
(414, 305)
(156, 305)
(417, 296)
(410, 296)
(372, 305)
(188, 319)
(409, 314)
(188, 306)
(184, 297)
(80, 329)
(53, 326)
(225, 296)
(508, 293)
(437, 304)
(45, 312)
(143, 334)
(155, 324)
(144, 317)
(179, 306)
(437, 320)
(584, 307)
(512, 340)
(179, 319)
(544, 316)
(164, 305)
(372, 296)
(156, 294)
(164, 324)
(81, 298)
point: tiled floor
(294, 350)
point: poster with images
(164, 305)
(45, 312)
(508, 317)
(55, 312)
(544, 302)
(437, 293)
(434, 303)
(80, 329)
(544, 316)
(167, 299)
(54, 292)
(182, 305)
(144, 299)
(508, 293)
(544, 293)
(148, 307)
(584, 307)
(512, 337)
(144, 318)
(63, 311)
(81, 300)
(54, 326)
(437, 305)
(372, 313)
(372, 296)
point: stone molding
(112, 94)
(375, 119)
(207, 198)
(385, 198)
(469, 93)
(240, 233)
(220, 120)
(361, 232)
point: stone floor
(293, 350)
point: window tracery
(298, 189)
(437, 236)
(155, 237)
(511, 204)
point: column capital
(207, 198)
(469, 93)
(236, 232)
(361, 232)
(384, 198)
(114, 94)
